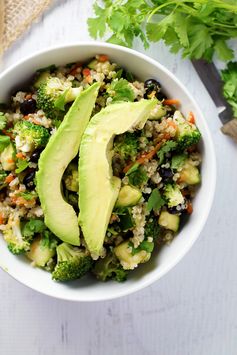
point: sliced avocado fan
(99, 189)
(62, 147)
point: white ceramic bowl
(143, 67)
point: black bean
(166, 173)
(28, 106)
(151, 85)
(35, 156)
(178, 209)
(28, 180)
(161, 96)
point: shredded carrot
(172, 124)
(74, 71)
(189, 208)
(9, 178)
(88, 79)
(191, 117)
(171, 102)
(103, 58)
(10, 160)
(1, 219)
(26, 117)
(148, 156)
(29, 96)
(20, 155)
(86, 71)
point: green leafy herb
(155, 201)
(138, 177)
(126, 145)
(3, 121)
(229, 76)
(197, 28)
(4, 142)
(120, 90)
(61, 101)
(145, 245)
(166, 148)
(126, 220)
(152, 229)
(21, 164)
(178, 160)
(28, 196)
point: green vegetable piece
(169, 221)
(137, 176)
(7, 158)
(30, 136)
(33, 226)
(3, 121)
(109, 268)
(155, 201)
(95, 155)
(128, 196)
(53, 94)
(120, 90)
(177, 161)
(72, 263)
(63, 146)
(70, 177)
(129, 261)
(4, 142)
(187, 133)
(189, 173)
(229, 76)
(126, 145)
(41, 253)
(166, 148)
(21, 164)
(173, 195)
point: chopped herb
(3, 121)
(145, 245)
(229, 76)
(155, 201)
(120, 90)
(166, 148)
(21, 164)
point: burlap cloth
(16, 16)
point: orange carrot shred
(86, 72)
(9, 178)
(103, 58)
(20, 155)
(189, 208)
(191, 117)
(171, 102)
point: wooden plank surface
(191, 311)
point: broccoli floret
(53, 94)
(126, 145)
(3, 120)
(187, 133)
(16, 242)
(109, 268)
(70, 177)
(72, 263)
(30, 136)
(173, 195)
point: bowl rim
(99, 45)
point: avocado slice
(62, 147)
(99, 189)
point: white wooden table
(191, 311)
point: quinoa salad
(153, 168)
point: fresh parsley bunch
(197, 28)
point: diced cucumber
(39, 254)
(190, 174)
(92, 64)
(127, 260)
(6, 158)
(158, 112)
(128, 196)
(41, 78)
(169, 221)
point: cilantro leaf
(120, 90)
(229, 76)
(166, 148)
(198, 28)
(138, 177)
(155, 201)
(21, 164)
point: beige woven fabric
(16, 16)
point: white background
(192, 310)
